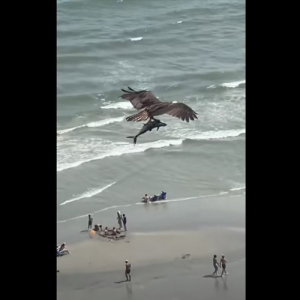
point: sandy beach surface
(165, 265)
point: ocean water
(187, 51)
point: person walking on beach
(223, 263)
(127, 270)
(124, 222)
(90, 222)
(216, 265)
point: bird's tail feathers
(141, 116)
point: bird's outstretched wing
(180, 110)
(139, 99)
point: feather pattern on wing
(139, 99)
(141, 116)
(181, 111)
(154, 107)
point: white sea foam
(238, 188)
(72, 153)
(179, 22)
(92, 124)
(136, 38)
(223, 193)
(233, 84)
(89, 194)
(118, 105)
(94, 212)
(211, 86)
(208, 135)
(99, 149)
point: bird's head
(160, 124)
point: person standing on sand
(223, 263)
(90, 222)
(127, 270)
(124, 222)
(216, 265)
(119, 218)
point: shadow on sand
(212, 276)
(121, 281)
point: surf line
(94, 212)
(118, 206)
(88, 194)
(140, 203)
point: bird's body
(154, 107)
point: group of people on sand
(162, 196)
(216, 265)
(122, 221)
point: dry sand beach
(174, 264)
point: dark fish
(148, 127)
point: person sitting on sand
(115, 231)
(96, 228)
(106, 231)
(63, 249)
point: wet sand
(160, 267)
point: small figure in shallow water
(146, 198)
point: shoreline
(221, 211)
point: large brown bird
(154, 107)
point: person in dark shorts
(216, 265)
(223, 263)
(90, 222)
(124, 222)
(128, 270)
